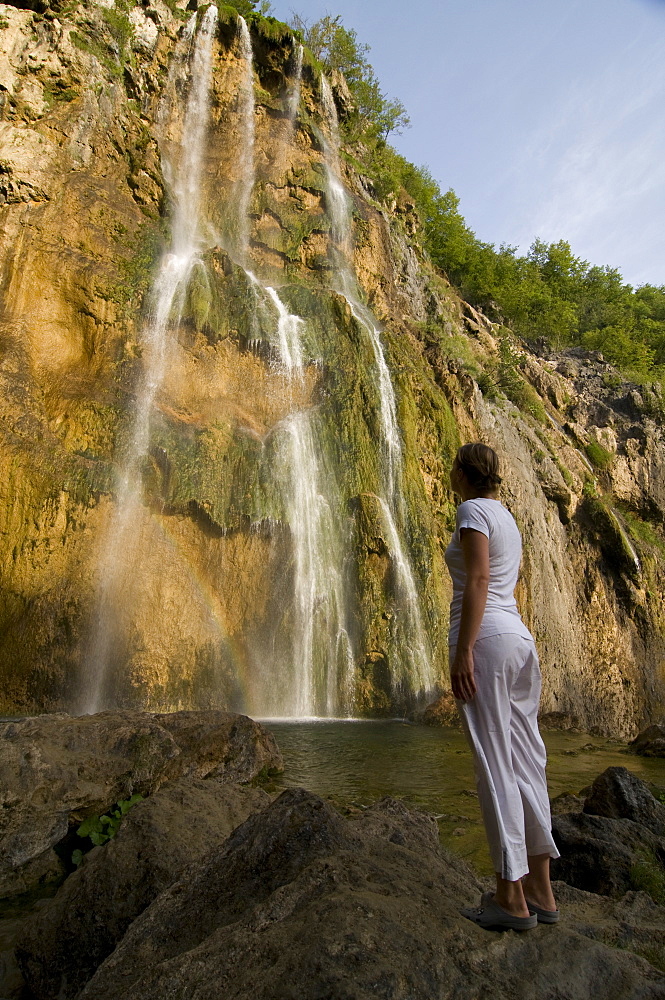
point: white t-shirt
(494, 521)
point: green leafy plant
(598, 456)
(100, 829)
(648, 875)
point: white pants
(509, 754)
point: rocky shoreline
(217, 884)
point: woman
(495, 677)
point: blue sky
(547, 117)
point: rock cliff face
(233, 522)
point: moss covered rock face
(191, 411)
(232, 387)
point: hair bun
(480, 465)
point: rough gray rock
(635, 921)
(56, 770)
(566, 803)
(302, 904)
(598, 854)
(650, 742)
(72, 934)
(619, 794)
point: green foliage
(547, 293)
(506, 378)
(648, 875)
(248, 9)
(99, 829)
(55, 91)
(598, 456)
(567, 478)
(267, 779)
(99, 51)
(650, 535)
(337, 48)
(110, 45)
(136, 265)
(120, 28)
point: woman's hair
(480, 465)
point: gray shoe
(544, 916)
(493, 917)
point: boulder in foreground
(61, 947)
(618, 839)
(55, 770)
(303, 904)
(650, 743)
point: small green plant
(612, 380)
(598, 456)
(514, 386)
(648, 875)
(267, 778)
(567, 478)
(487, 385)
(99, 829)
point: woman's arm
(475, 548)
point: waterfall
(340, 217)
(311, 634)
(183, 176)
(393, 506)
(293, 101)
(321, 676)
(338, 203)
(246, 107)
(418, 649)
(319, 679)
(391, 441)
(288, 333)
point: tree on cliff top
(338, 48)
(248, 7)
(546, 293)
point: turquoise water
(357, 762)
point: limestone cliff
(226, 585)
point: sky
(546, 117)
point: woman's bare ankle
(510, 897)
(539, 891)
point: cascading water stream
(340, 217)
(319, 680)
(183, 177)
(293, 102)
(323, 661)
(247, 176)
(338, 203)
(393, 508)
(420, 674)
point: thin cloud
(599, 160)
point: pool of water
(358, 762)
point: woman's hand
(461, 675)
